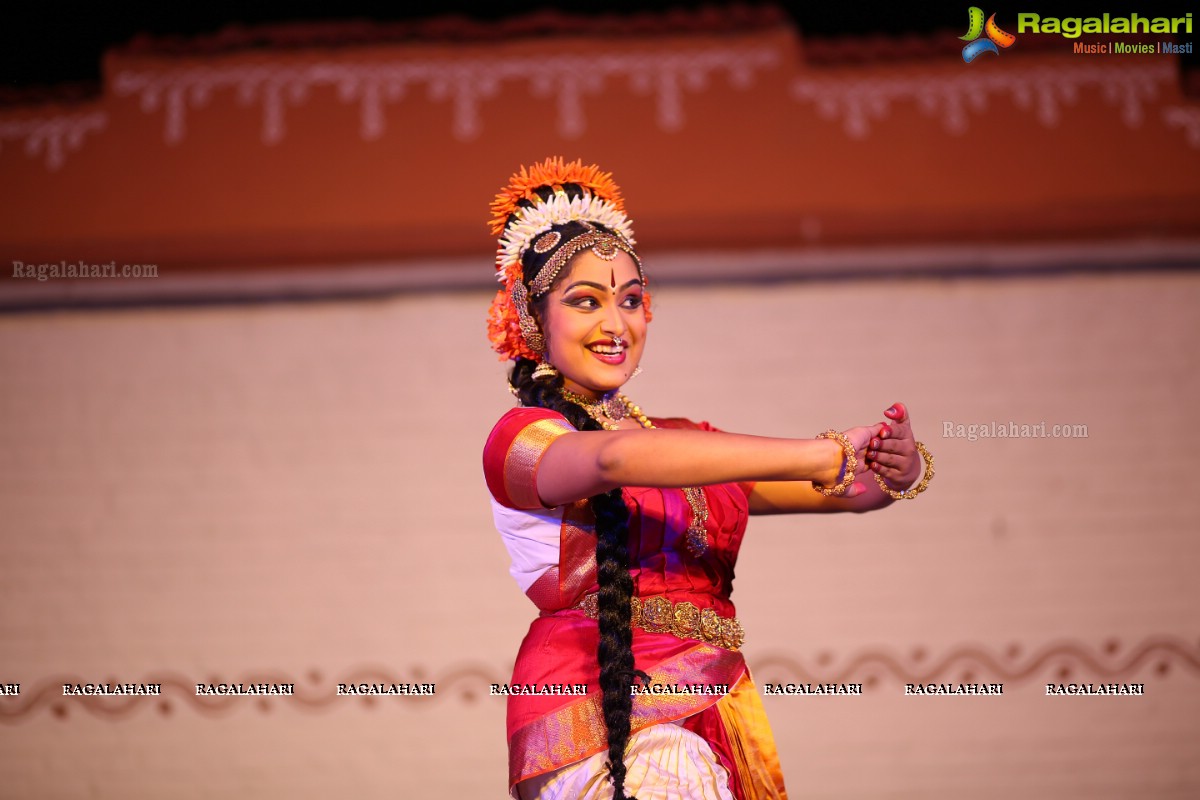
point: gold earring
(544, 371)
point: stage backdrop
(201, 483)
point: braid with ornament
(615, 650)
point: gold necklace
(615, 406)
(610, 406)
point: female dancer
(624, 529)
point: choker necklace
(610, 406)
(615, 407)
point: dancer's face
(586, 311)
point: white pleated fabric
(664, 762)
(531, 538)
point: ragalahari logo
(995, 37)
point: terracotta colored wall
(385, 152)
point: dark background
(49, 44)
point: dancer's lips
(608, 351)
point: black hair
(614, 653)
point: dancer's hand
(892, 452)
(860, 438)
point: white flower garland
(536, 220)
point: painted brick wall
(293, 492)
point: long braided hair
(615, 650)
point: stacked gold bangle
(909, 494)
(851, 464)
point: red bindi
(612, 278)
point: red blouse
(659, 559)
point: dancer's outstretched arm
(584, 463)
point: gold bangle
(909, 494)
(851, 464)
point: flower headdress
(511, 328)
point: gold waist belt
(659, 615)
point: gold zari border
(523, 457)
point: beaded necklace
(614, 407)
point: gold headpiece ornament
(511, 328)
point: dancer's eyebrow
(594, 285)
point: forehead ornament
(545, 243)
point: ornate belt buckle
(687, 621)
(656, 614)
(683, 619)
(710, 626)
(732, 633)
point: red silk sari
(548, 732)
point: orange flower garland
(551, 172)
